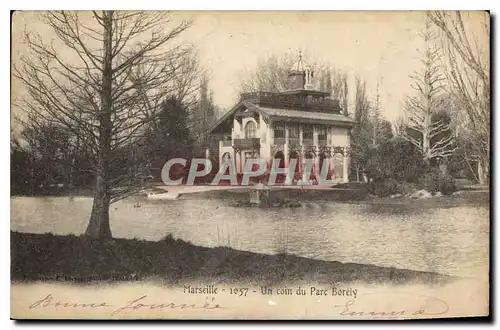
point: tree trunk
(99, 219)
(426, 146)
(483, 168)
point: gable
(239, 111)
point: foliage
(168, 135)
(460, 164)
(21, 179)
(435, 180)
(169, 132)
(44, 160)
(384, 188)
(396, 167)
(394, 158)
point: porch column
(347, 158)
(315, 137)
(302, 149)
(316, 148)
(286, 146)
(221, 146)
(327, 164)
(346, 169)
(237, 161)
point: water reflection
(450, 241)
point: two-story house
(298, 123)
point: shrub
(435, 181)
(168, 238)
(406, 188)
(447, 185)
(430, 182)
(394, 159)
(384, 188)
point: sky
(377, 46)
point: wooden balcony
(248, 143)
(286, 100)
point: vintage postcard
(250, 165)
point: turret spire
(300, 75)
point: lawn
(48, 257)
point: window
(321, 133)
(279, 130)
(307, 132)
(250, 130)
(294, 131)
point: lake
(452, 241)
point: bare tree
(361, 134)
(203, 113)
(400, 126)
(420, 108)
(187, 77)
(361, 106)
(340, 90)
(335, 82)
(115, 67)
(376, 116)
(465, 40)
(271, 75)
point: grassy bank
(79, 259)
(286, 193)
(356, 195)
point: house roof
(305, 115)
(289, 115)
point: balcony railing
(307, 142)
(280, 100)
(279, 141)
(248, 143)
(294, 141)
